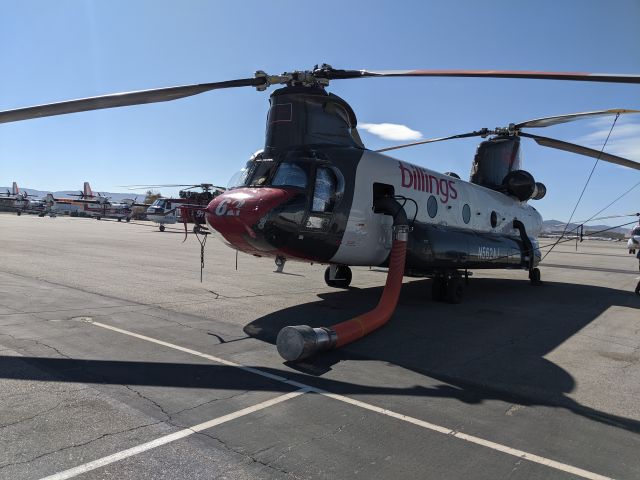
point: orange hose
(302, 341)
(357, 327)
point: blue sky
(54, 51)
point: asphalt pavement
(117, 362)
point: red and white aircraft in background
(21, 203)
(97, 205)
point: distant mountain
(115, 197)
(557, 227)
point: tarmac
(117, 362)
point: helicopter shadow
(491, 347)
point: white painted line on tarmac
(472, 439)
(367, 406)
(101, 462)
(255, 371)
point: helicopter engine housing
(522, 185)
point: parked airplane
(19, 201)
(98, 205)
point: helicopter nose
(235, 213)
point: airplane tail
(87, 190)
(14, 189)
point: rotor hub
(298, 78)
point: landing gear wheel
(632, 251)
(534, 276)
(98, 218)
(343, 277)
(439, 289)
(162, 228)
(119, 219)
(128, 219)
(455, 290)
(196, 228)
(18, 213)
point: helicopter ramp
(115, 361)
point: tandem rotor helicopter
(315, 193)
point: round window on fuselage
(432, 206)
(466, 213)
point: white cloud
(391, 131)
(624, 140)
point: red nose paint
(235, 213)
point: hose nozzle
(301, 341)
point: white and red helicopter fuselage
(457, 224)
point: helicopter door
(325, 195)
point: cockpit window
(239, 179)
(635, 231)
(160, 202)
(324, 193)
(291, 175)
(262, 172)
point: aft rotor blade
(589, 152)
(555, 120)
(432, 140)
(122, 99)
(333, 74)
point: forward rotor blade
(432, 140)
(122, 99)
(589, 152)
(333, 74)
(555, 120)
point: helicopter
(315, 193)
(188, 208)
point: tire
(128, 219)
(195, 228)
(438, 289)
(343, 277)
(455, 290)
(162, 228)
(534, 277)
(98, 218)
(18, 213)
(119, 219)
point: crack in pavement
(31, 418)
(37, 342)
(76, 445)
(170, 416)
(250, 456)
(144, 397)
